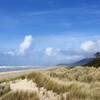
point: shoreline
(13, 74)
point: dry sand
(24, 85)
(13, 74)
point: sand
(13, 74)
(24, 85)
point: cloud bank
(52, 50)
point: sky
(48, 32)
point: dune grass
(43, 81)
(77, 83)
(4, 88)
(20, 96)
(81, 74)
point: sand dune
(29, 86)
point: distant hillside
(78, 63)
(62, 64)
(95, 62)
(82, 62)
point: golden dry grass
(71, 84)
(20, 96)
(4, 88)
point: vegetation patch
(20, 96)
(4, 88)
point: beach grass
(20, 96)
(80, 83)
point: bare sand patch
(24, 85)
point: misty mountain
(82, 62)
(78, 63)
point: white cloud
(88, 46)
(11, 53)
(91, 46)
(25, 45)
(52, 51)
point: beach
(13, 74)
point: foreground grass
(20, 96)
(76, 84)
(4, 88)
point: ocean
(17, 68)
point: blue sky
(48, 32)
